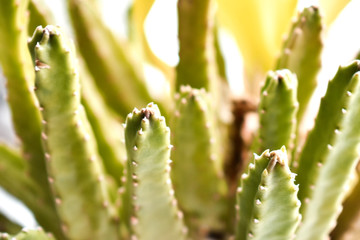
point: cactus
(90, 167)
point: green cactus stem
(197, 59)
(301, 54)
(197, 167)
(38, 234)
(8, 226)
(75, 170)
(107, 130)
(246, 194)
(12, 166)
(349, 214)
(220, 60)
(332, 184)
(277, 109)
(327, 123)
(154, 207)
(19, 71)
(276, 209)
(120, 83)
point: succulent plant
(100, 158)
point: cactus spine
(154, 207)
(71, 153)
(86, 176)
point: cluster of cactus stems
(100, 158)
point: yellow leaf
(258, 27)
(331, 9)
(141, 9)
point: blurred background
(341, 44)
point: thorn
(183, 101)
(105, 204)
(329, 147)
(78, 123)
(121, 190)
(298, 30)
(64, 228)
(40, 65)
(134, 220)
(133, 237)
(135, 148)
(257, 202)
(123, 179)
(265, 93)
(348, 93)
(86, 137)
(47, 156)
(134, 163)
(58, 201)
(92, 158)
(75, 93)
(51, 180)
(172, 192)
(244, 176)
(287, 51)
(145, 120)
(239, 190)
(168, 181)
(44, 136)
(100, 178)
(170, 146)
(180, 214)
(251, 166)
(44, 122)
(140, 132)
(256, 220)
(343, 110)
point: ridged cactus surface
(71, 152)
(98, 157)
(154, 207)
